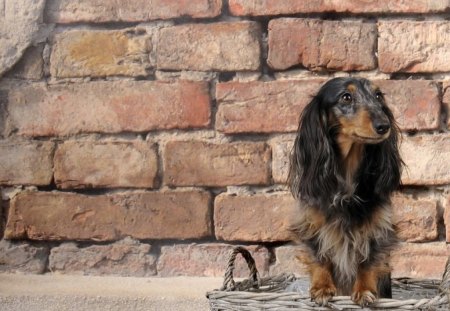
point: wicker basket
(269, 293)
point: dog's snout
(381, 127)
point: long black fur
(316, 175)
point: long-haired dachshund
(344, 166)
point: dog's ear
(312, 164)
(385, 161)
(390, 165)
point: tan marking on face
(351, 88)
(354, 132)
(364, 124)
(360, 125)
(374, 88)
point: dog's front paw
(363, 297)
(322, 294)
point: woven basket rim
(265, 292)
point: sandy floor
(60, 292)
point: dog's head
(357, 108)
(344, 113)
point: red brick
(101, 11)
(321, 45)
(107, 107)
(410, 46)
(208, 260)
(425, 260)
(226, 46)
(416, 219)
(415, 103)
(26, 163)
(195, 163)
(127, 257)
(142, 215)
(276, 7)
(427, 159)
(255, 218)
(266, 107)
(287, 262)
(105, 164)
(99, 53)
(262, 107)
(446, 100)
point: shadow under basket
(276, 293)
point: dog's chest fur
(345, 248)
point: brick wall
(147, 138)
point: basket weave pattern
(269, 293)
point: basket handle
(228, 282)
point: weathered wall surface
(147, 137)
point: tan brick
(3, 204)
(142, 215)
(225, 46)
(425, 260)
(22, 257)
(416, 219)
(447, 218)
(99, 53)
(416, 171)
(262, 107)
(420, 162)
(411, 46)
(414, 103)
(281, 159)
(106, 107)
(446, 100)
(276, 7)
(101, 11)
(105, 164)
(127, 257)
(21, 26)
(26, 162)
(287, 261)
(427, 159)
(321, 45)
(255, 218)
(195, 163)
(208, 260)
(30, 66)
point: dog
(344, 166)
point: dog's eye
(379, 95)
(347, 97)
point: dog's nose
(381, 127)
